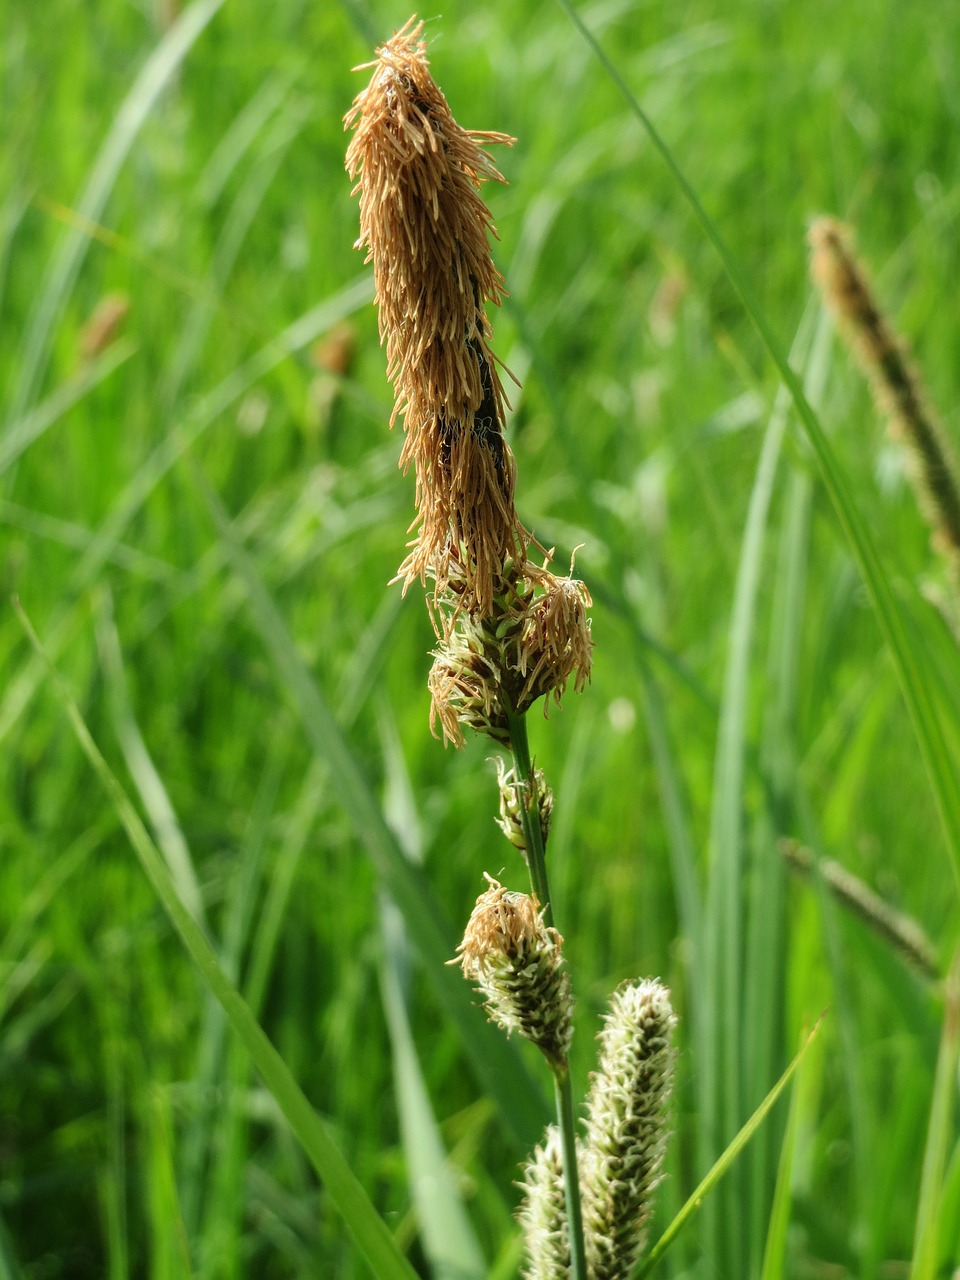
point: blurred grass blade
(361, 1218)
(447, 1235)
(20, 434)
(10, 1268)
(148, 782)
(775, 1251)
(695, 1201)
(20, 688)
(723, 1073)
(939, 1136)
(495, 1060)
(133, 111)
(169, 1247)
(922, 707)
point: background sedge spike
(896, 386)
(542, 1213)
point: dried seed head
(543, 1212)
(517, 963)
(513, 794)
(846, 291)
(426, 231)
(626, 1126)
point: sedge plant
(509, 632)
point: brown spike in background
(896, 386)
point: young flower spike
(514, 794)
(543, 1212)
(426, 231)
(517, 963)
(626, 1126)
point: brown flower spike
(509, 631)
(426, 231)
(897, 389)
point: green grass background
(201, 523)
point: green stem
(530, 813)
(571, 1176)
(537, 864)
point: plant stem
(571, 1176)
(530, 813)
(537, 865)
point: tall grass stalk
(509, 632)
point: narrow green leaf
(449, 1241)
(723, 1074)
(133, 111)
(775, 1252)
(723, 1164)
(21, 687)
(939, 1135)
(148, 782)
(367, 1227)
(19, 435)
(448, 1238)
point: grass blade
(159, 463)
(149, 784)
(448, 1237)
(369, 1230)
(695, 1201)
(133, 111)
(20, 434)
(939, 1135)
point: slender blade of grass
(21, 433)
(131, 115)
(446, 1232)
(21, 688)
(695, 1201)
(371, 1233)
(10, 1268)
(448, 1238)
(775, 1249)
(726, 1044)
(149, 784)
(939, 1133)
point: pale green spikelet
(543, 1212)
(513, 796)
(626, 1126)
